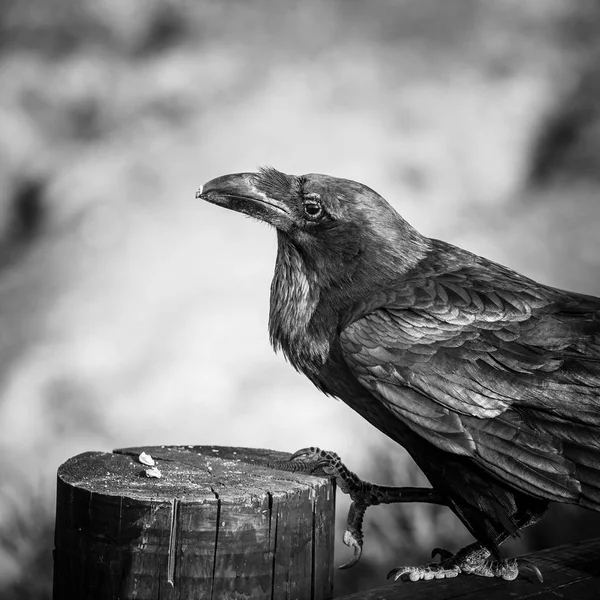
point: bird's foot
(315, 461)
(363, 494)
(472, 560)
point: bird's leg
(473, 560)
(363, 494)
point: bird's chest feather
(303, 324)
(296, 320)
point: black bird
(490, 380)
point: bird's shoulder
(452, 288)
(453, 279)
(473, 336)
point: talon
(310, 460)
(303, 452)
(314, 459)
(356, 545)
(396, 573)
(426, 573)
(527, 564)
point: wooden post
(217, 524)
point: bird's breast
(296, 323)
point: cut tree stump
(217, 524)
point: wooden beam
(571, 572)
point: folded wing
(500, 370)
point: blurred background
(132, 314)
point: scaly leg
(474, 559)
(363, 494)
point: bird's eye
(313, 209)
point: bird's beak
(239, 192)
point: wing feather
(496, 368)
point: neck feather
(295, 296)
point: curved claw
(442, 553)
(313, 456)
(311, 459)
(302, 452)
(353, 542)
(396, 573)
(408, 573)
(527, 564)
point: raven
(490, 380)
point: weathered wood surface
(217, 525)
(571, 572)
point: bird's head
(339, 227)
